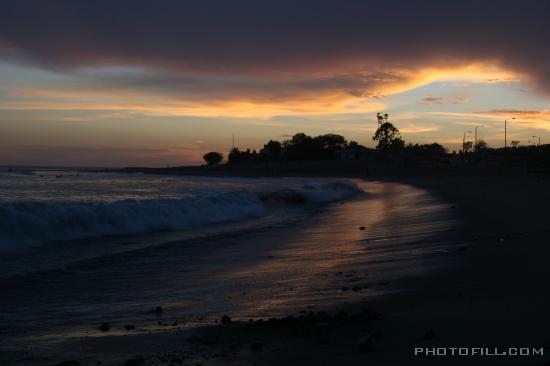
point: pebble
(225, 319)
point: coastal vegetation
(213, 158)
(391, 151)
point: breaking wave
(34, 223)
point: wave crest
(33, 223)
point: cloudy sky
(114, 83)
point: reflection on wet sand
(358, 249)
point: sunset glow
(152, 91)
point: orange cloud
(525, 118)
(324, 94)
(418, 128)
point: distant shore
(354, 168)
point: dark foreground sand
(469, 271)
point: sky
(151, 83)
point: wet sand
(462, 270)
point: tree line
(299, 147)
(330, 146)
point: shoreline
(259, 274)
(494, 299)
(471, 305)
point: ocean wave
(33, 223)
(313, 193)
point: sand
(463, 266)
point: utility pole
(505, 128)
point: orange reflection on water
(322, 264)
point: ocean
(84, 214)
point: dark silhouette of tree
(515, 143)
(467, 146)
(387, 135)
(213, 158)
(433, 152)
(304, 147)
(238, 156)
(234, 155)
(300, 147)
(382, 118)
(481, 145)
(271, 151)
(330, 143)
(299, 139)
(354, 145)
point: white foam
(32, 223)
(26, 224)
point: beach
(274, 183)
(424, 262)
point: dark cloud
(537, 118)
(510, 112)
(220, 87)
(441, 100)
(432, 100)
(277, 41)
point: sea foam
(24, 224)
